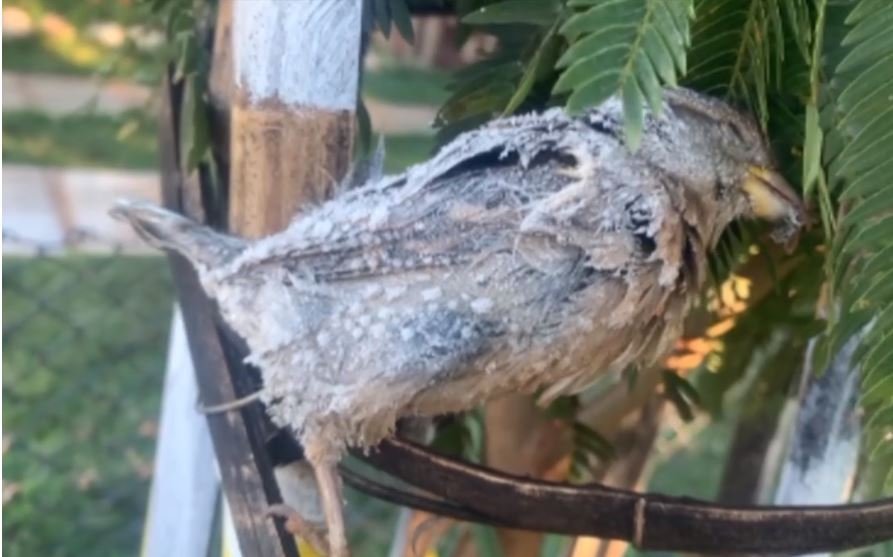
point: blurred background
(87, 310)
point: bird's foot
(314, 535)
(228, 406)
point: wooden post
(296, 67)
(238, 437)
(294, 70)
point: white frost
(481, 305)
(430, 294)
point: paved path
(45, 206)
(55, 94)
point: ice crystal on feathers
(531, 252)
(482, 305)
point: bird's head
(726, 163)
(167, 230)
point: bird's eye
(736, 131)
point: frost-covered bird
(531, 253)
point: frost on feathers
(531, 252)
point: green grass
(96, 140)
(30, 54)
(40, 54)
(84, 350)
(697, 470)
(83, 140)
(84, 342)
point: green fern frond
(858, 124)
(533, 12)
(511, 78)
(739, 47)
(626, 47)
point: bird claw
(296, 525)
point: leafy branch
(815, 72)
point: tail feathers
(169, 231)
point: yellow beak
(771, 197)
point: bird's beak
(167, 230)
(152, 223)
(773, 199)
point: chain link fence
(84, 341)
(85, 335)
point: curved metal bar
(648, 521)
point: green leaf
(543, 61)
(681, 394)
(555, 545)
(812, 150)
(629, 48)
(877, 357)
(858, 125)
(473, 449)
(592, 442)
(798, 16)
(603, 15)
(402, 18)
(632, 103)
(364, 129)
(880, 390)
(381, 10)
(533, 12)
(486, 541)
(195, 143)
(737, 48)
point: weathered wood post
(296, 68)
(284, 87)
(296, 71)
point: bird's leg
(297, 525)
(324, 461)
(330, 494)
(231, 405)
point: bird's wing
(618, 243)
(615, 219)
(448, 211)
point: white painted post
(821, 450)
(301, 54)
(296, 68)
(185, 484)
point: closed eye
(736, 131)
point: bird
(528, 255)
